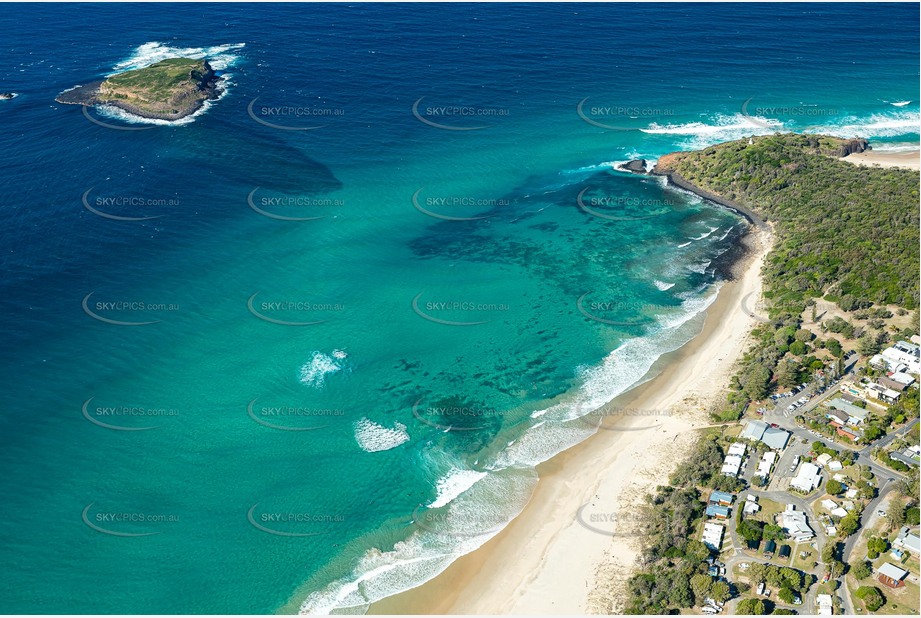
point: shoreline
(910, 160)
(545, 561)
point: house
(837, 416)
(773, 437)
(713, 536)
(731, 465)
(770, 547)
(753, 545)
(751, 508)
(901, 357)
(823, 459)
(882, 393)
(856, 414)
(807, 478)
(906, 457)
(717, 511)
(902, 378)
(850, 494)
(794, 523)
(838, 512)
(897, 554)
(766, 463)
(895, 385)
(784, 551)
(834, 465)
(891, 575)
(908, 540)
(826, 607)
(723, 498)
(737, 448)
(828, 505)
(850, 434)
(850, 391)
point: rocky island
(168, 90)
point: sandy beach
(908, 160)
(554, 558)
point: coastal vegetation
(845, 234)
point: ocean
(303, 349)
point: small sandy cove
(909, 160)
(546, 561)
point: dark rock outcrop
(637, 165)
(853, 146)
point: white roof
(825, 604)
(829, 504)
(770, 457)
(823, 459)
(890, 570)
(838, 512)
(902, 378)
(713, 535)
(908, 540)
(851, 493)
(737, 448)
(807, 478)
(835, 465)
(731, 464)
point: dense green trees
(871, 596)
(834, 487)
(862, 570)
(876, 546)
(842, 228)
(751, 607)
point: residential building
(723, 498)
(856, 414)
(773, 437)
(891, 575)
(731, 465)
(826, 606)
(908, 540)
(795, 524)
(713, 536)
(882, 393)
(737, 448)
(717, 511)
(807, 478)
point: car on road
(775, 425)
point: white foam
(662, 285)
(453, 484)
(463, 526)
(901, 103)
(219, 56)
(700, 268)
(719, 124)
(372, 437)
(685, 244)
(622, 369)
(313, 372)
(706, 234)
(878, 125)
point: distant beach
(909, 160)
(545, 561)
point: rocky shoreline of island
(182, 100)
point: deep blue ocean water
(460, 294)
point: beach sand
(546, 561)
(908, 160)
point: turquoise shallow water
(250, 465)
